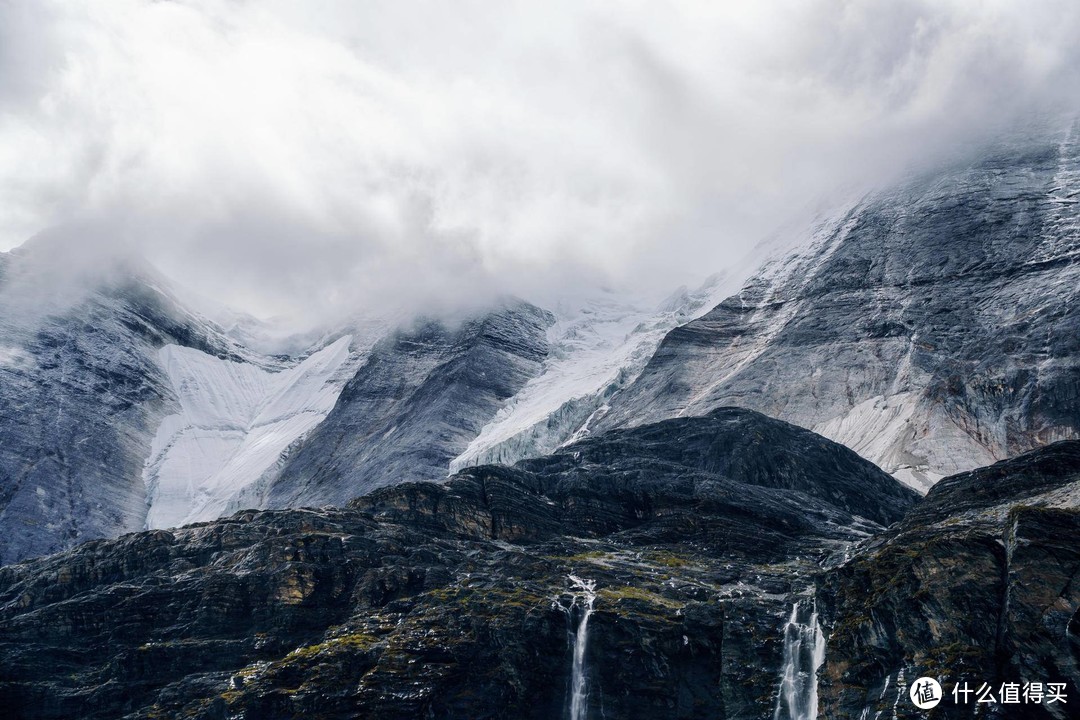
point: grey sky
(292, 157)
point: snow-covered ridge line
(235, 421)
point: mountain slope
(597, 347)
(459, 600)
(120, 408)
(417, 401)
(978, 584)
(932, 328)
(81, 396)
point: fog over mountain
(306, 162)
(512, 361)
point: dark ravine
(446, 600)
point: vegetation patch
(633, 592)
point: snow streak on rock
(597, 348)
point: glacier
(237, 420)
(597, 346)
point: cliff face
(932, 328)
(466, 599)
(978, 584)
(414, 405)
(81, 395)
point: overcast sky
(301, 157)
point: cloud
(316, 158)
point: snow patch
(236, 419)
(597, 348)
(13, 357)
(898, 434)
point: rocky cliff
(464, 599)
(978, 584)
(931, 328)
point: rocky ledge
(685, 544)
(980, 583)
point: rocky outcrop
(977, 585)
(81, 395)
(419, 399)
(121, 409)
(931, 328)
(454, 600)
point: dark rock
(453, 600)
(978, 584)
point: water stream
(583, 595)
(804, 653)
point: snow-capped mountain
(124, 409)
(120, 408)
(420, 397)
(932, 328)
(597, 347)
(82, 393)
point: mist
(314, 160)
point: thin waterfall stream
(583, 595)
(804, 653)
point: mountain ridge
(845, 336)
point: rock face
(933, 329)
(597, 347)
(455, 600)
(81, 395)
(121, 409)
(978, 584)
(415, 404)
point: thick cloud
(304, 158)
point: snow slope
(597, 347)
(236, 421)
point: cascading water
(804, 653)
(583, 595)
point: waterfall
(804, 653)
(583, 595)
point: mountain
(673, 552)
(932, 328)
(728, 565)
(81, 394)
(978, 584)
(686, 518)
(121, 408)
(421, 396)
(597, 346)
(124, 409)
